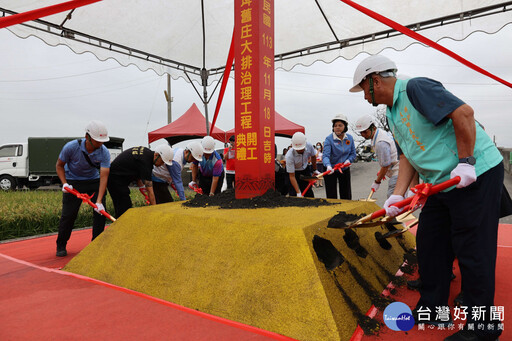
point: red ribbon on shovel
(144, 192)
(423, 191)
(196, 188)
(87, 199)
(336, 167)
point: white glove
(466, 172)
(66, 185)
(299, 195)
(393, 211)
(192, 184)
(375, 187)
(99, 207)
(316, 173)
(409, 194)
(346, 163)
(330, 170)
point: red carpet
(40, 302)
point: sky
(51, 91)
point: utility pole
(168, 98)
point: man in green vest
(438, 137)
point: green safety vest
(431, 149)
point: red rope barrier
(225, 77)
(423, 39)
(43, 12)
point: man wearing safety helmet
(165, 174)
(385, 149)
(297, 159)
(209, 171)
(84, 165)
(438, 137)
(135, 164)
(338, 148)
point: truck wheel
(7, 183)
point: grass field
(29, 213)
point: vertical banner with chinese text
(254, 97)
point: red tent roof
(283, 127)
(189, 126)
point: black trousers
(340, 179)
(461, 223)
(205, 182)
(162, 193)
(230, 180)
(119, 190)
(302, 183)
(70, 207)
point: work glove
(466, 172)
(346, 163)
(393, 211)
(143, 190)
(409, 193)
(299, 195)
(99, 207)
(192, 184)
(375, 187)
(68, 186)
(330, 170)
(212, 194)
(316, 173)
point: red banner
(424, 40)
(43, 12)
(254, 97)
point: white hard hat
(372, 64)
(340, 117)
(196, 149)
(363, 123)
(166, 153)
(208, 144)
(298, 141)
(97, 131)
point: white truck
(32, 164)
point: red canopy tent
(284, 127)
(189, 126)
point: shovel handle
(433, 190)
(321, 175)
(87, 199)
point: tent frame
(62, 31)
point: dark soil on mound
(342, 220)
(268, 200)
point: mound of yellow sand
(255, 266)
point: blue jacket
(338, 151)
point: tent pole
(204, 78)
(204, 72)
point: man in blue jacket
(439, 138)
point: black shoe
(414, 285)
(61, 253)
(467, 335)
